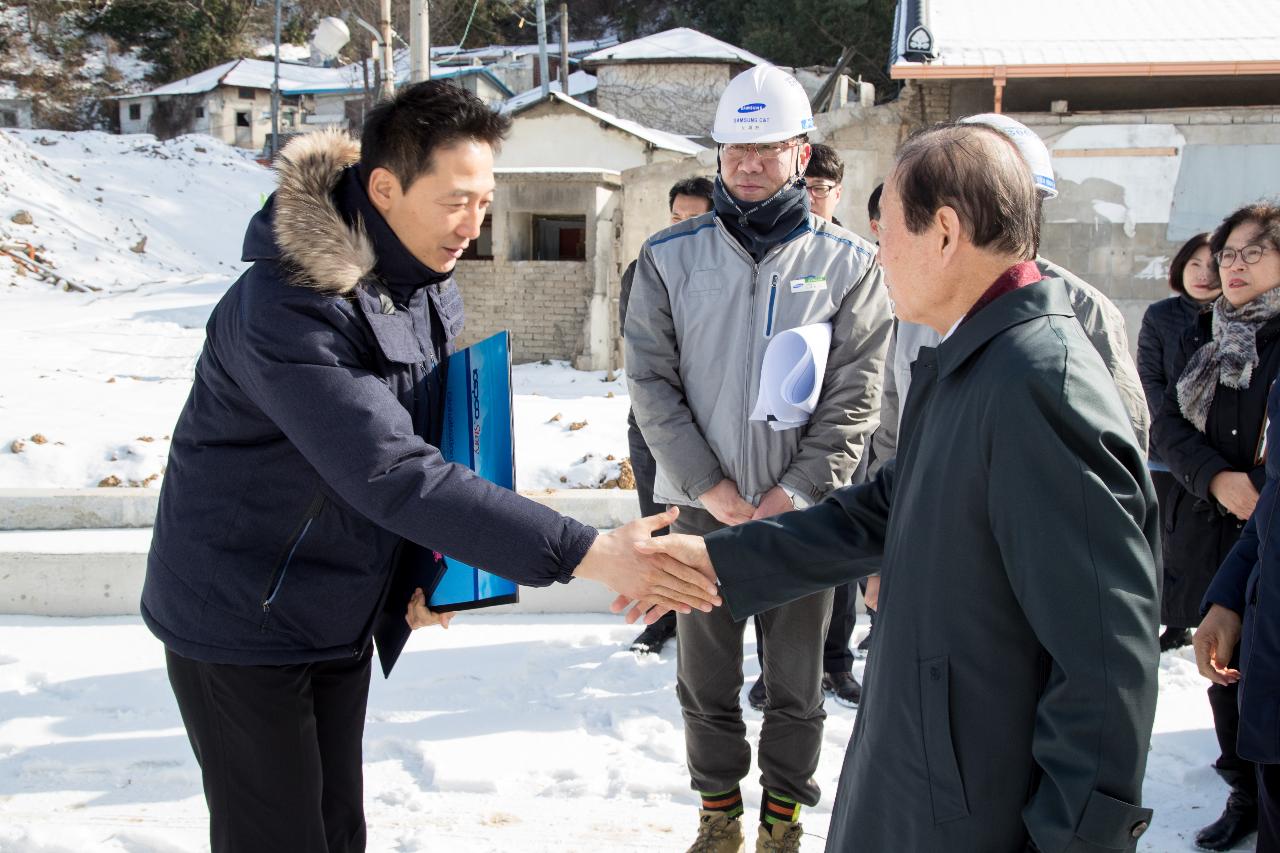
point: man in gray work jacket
(1009, 701)
(708, 296)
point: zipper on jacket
(751, 357)
(1253, 600)
(773, 302)
(282, 567)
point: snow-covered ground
(503, 733)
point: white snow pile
(108, 212)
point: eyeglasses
(820, 190)
(1249, 254)
(737, 152)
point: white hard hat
(762, 104)
(1028, 143)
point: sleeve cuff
(579, 538)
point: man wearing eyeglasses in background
(708, 296)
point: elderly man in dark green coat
(1010, 700)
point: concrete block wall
(543, 303)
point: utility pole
(275, 93)
(419, 41)
(564, 49)
(388, 58)
(542, 47)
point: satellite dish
(331, 36)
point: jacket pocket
(945, 784)
(705, 282)
(287, 552)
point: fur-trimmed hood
(314, 240)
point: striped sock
(729, 802)
(775, 808)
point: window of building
(199, 112)
(481, 248)
(135, 112)
(559, 238)
(8, 118)
(242, 120)
(248, 94)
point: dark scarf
(1228, 358)
(760, 227)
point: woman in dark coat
(1193, 277)
(1210, 432)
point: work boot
(1238, 820)
(756, 696)
(655, 636)
(1174, 638)
(843, 687)
(718, 833)
(783, 837)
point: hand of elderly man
(615, 561)
(1214, 642)
(776, 501)
(725, 504)
(676, 552)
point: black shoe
(843, 687)
(1238, 820)
(756, 695)
(864, 646)
(653, 638)
(1174, 638)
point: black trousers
(1237, 772)
(646, 471)
(279, 749)
(836, 654)
(1268, 808)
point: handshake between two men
(651, 576)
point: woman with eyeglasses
(1193, 277)
(1210, 431)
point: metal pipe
(388, 59)
(275, 93)
(419, 41)
(564, 48)
(542, 48)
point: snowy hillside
(111, 212)
(93, 381)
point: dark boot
(756, 696)
(654, 637)
(1174, 638)
(1238, 820)
(843, 687)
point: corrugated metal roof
(1085, 32)
(680, 44)
(580, 83)
(302, 79)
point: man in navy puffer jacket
(306, 455)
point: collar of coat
(314, 239)
(1045, 298)
(328, 232)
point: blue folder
(477, 433)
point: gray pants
(709, 684)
